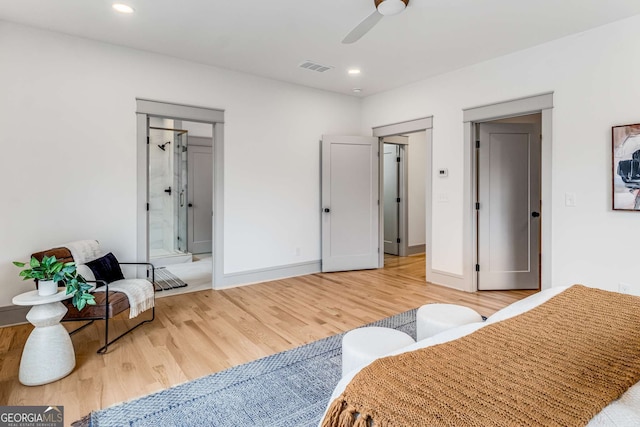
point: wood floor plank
(203, 332)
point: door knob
(190, 205)
(535, 214)
(327, 210)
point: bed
(623, 411)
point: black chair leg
(103, 349)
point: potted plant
(49, 272)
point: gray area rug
(287, 389)
(167, 280)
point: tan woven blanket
(558, 364)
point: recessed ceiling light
(122, 8)
(354, 71)
(357, 90)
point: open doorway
(180, 202)
(196, 127)
(167, 192)
(418, 173)
(404, 194)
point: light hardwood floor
(200, 333)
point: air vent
(314, 66)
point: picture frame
(625, 180)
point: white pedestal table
(48, 354)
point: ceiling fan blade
(363, 28)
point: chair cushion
(106, 268)
(118, 302)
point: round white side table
(48, 354)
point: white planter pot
(47, 287)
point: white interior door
(391, 198)
(349, 203)
(200, 196)
(509, 206)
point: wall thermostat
(443, 173)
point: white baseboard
(416, 249)
(13, 315)
(446, 279)
(241, 278)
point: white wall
(594, 76)
(416, 197)
(67, 113)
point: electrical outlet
(627, 288)
(570, 200)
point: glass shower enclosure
(167, 150)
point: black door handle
(327, 210)
(535, 214)
(190, 205)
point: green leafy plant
(52, 269)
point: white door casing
(350, 197)
(200, 197)
(509, 206)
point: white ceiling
(270, 38)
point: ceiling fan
(383, 8)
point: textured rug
(167, 280)
(287, 389)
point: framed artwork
(625, 141)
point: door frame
(146, 108)
(394, 129)
(542, 103)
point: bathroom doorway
(194, 120)
(180, 190)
